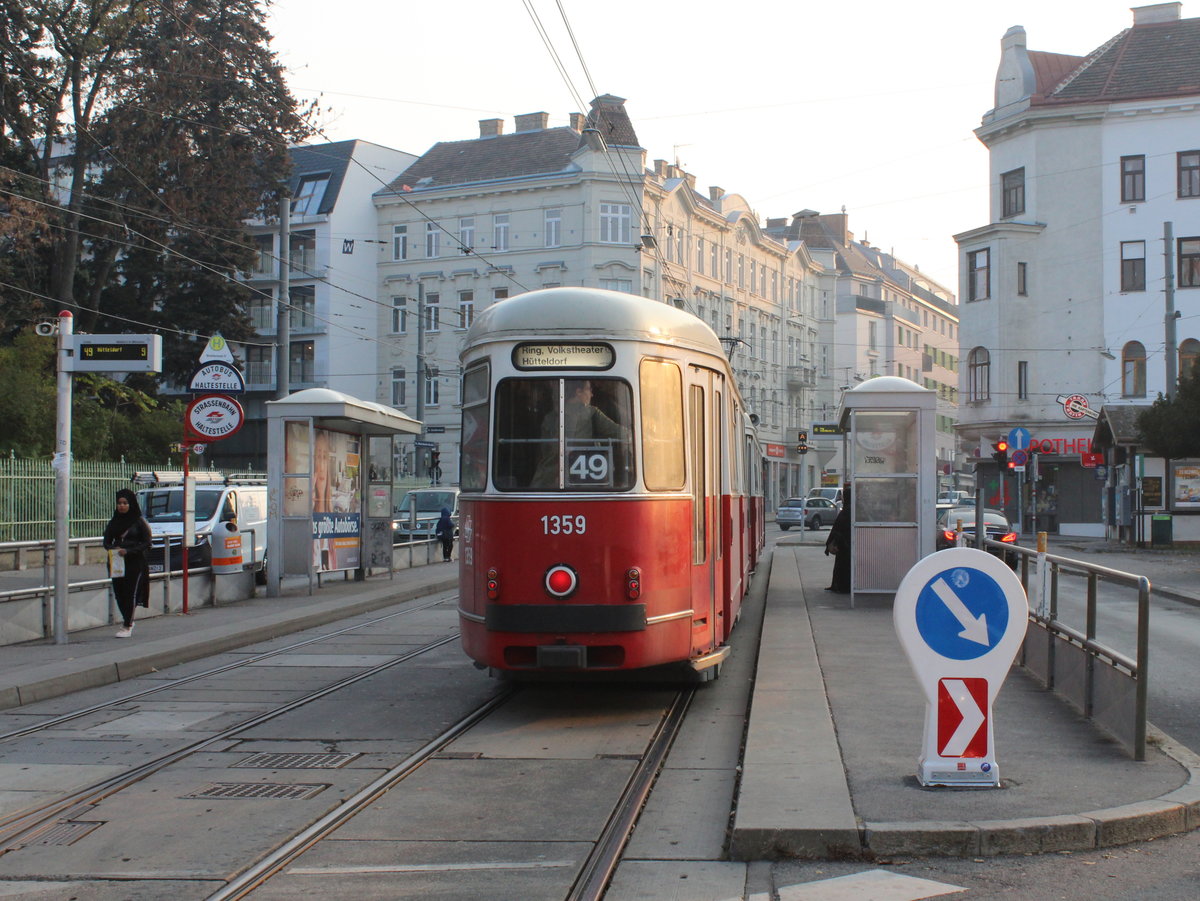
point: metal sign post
(960, 615)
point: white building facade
(474, 222)
(1062, 292)
(332, 278)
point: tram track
(19, 828)
(173, 684)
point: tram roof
(591, 313)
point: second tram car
(611, 503)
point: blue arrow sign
(1018, 438)
(962, 613)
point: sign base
(956, 772)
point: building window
(1189, 357)
(466, 234)
(259, 365)
(302, 359)
(432, 387)
(872, 339)
(264, 250)
(499, 294)
(399, 242)
(699, 256)
(309, 194)
(1189, 262)
(681, 246)
(399, 315)
(728, 266)
(1012, 188)
(399, 388)
(714, 260)
(979, 282)
(433, 240)
(1022, 380)
(615, 223)
(500, 231)
(433, 312)
(1133, 265)
(1022, 279)
(1133, 370)
(1189, 173)
(302, 301)
(466, 308)
(979, 375)
(1133, 178)
(553, 228)
(303, 253)
(617, 284)
(741, 282)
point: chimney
(532, 122)
(578, 121)
(660, 168)
(1159, 12)
(490, 128)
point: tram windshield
(563, 435)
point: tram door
(705, 418)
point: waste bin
(1160, 530)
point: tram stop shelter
(888, 425)
(329, 484)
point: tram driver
(582, 421)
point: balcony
(801, 377)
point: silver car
(809, 512)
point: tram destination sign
(115, 353)
(544, 355)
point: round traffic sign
(1075, 406)
(962, 613)
(213, 417)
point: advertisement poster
(297, 469)
(1187, 485)
(336, 501)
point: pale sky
(868, 104)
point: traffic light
(1001, 454)
(802, 442)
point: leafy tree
(1171, 428)
(168, 124)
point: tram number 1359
(564, 525)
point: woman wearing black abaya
(127, 536)
(838, 544)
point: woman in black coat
(127, 535)
(445, 533)
(838, 544)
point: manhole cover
(65, 833)
(295, 761)
(270, 790)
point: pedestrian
(445, 531)
(127, 538)
(838, 543)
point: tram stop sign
(960, 615)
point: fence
(27, 496)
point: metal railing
(1105, 685)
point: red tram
(611, 502)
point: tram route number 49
(589, 466)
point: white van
(830, 493)
(241, 501)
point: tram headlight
(561, 581)
(633, 583)
(493, 584)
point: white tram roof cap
(591, 313)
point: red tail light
(1010, 538)
(633, 583)
(950, 535)
(493, 585)
(561, 581)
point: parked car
(996, 527)
(810, 512)
(429, 503)
(829, 493)
(243, 501)
(957, 496)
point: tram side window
(662, 425)
(475, 415)
(563, 434)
